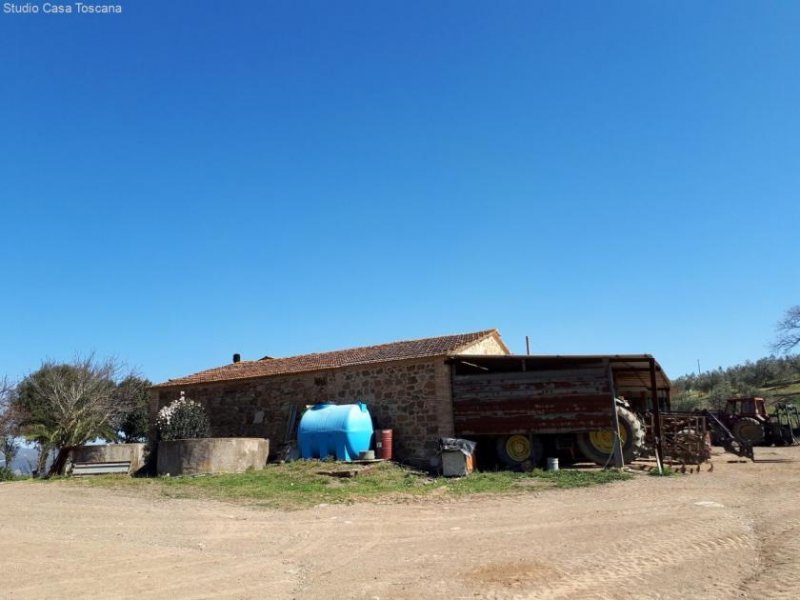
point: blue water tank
(342, 431)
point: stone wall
(488, 345)
(412, 397)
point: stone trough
(211, 455)
(108, 453)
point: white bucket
(552, 464)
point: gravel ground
(730, 533)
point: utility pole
(698, 366)
(527, 345)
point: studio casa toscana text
(57, 8)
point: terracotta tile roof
(267, 367)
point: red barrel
(383, 444)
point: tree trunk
(41, 460)
(57, 468)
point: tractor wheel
(749, 430)
(598, 446)
(515, 450)
(787, 436)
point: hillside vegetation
(774, 378)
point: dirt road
(731, 533)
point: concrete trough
(211, 455)
(80, 469)
(110, 453)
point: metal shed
(515, 394)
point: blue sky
(192, 179)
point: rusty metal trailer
(567, 404)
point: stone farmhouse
(406, 386)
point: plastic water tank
(342, 431)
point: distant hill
(25, 461)
(774, 378)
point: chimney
(237, 357)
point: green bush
(665, 472)
(7, 474)
(182, 419)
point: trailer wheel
(749, 430)
(514, 450)
(598, 446)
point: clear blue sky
(192, 179)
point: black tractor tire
(787, 436)
(519, 450)
(716, 440)
(632, 432)
(749, 430)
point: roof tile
(268, 367)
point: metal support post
(656, 411)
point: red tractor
(748, 420)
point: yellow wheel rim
(518, 448)
(603, 440)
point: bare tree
(5, 398)
(67, 405)
(9, 424)
(788, 331)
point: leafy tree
(719, 393)
(707, 390)
(45, 437)
(685, 401)
(131, 396)
(788, 331)
(67, 405)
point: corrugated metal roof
(630, 370)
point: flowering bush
(182, 419)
